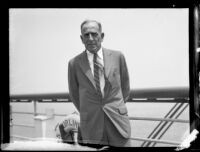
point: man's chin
(93, 50)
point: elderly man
(99, 88)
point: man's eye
(94, 34)
(86, 35)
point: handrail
(168, 115)
(159, 119)
(22, 137)
(23, 125)
(166, 122)
(130, 118)
(161, 92)
(36, 139)
(172, 122)
(155, 100)
(150, 93)
(160, 100)
(18, 112)
(155, 140)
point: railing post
(11, 123)
(11, 117)
(35, 107)
(44, 127)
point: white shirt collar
(99, 58)
(99, 53)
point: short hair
(87, 21)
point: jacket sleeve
(73, 85)
(124, 75)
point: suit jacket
(91, 107)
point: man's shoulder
(76, 58)
(112, 51)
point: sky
(155, 43)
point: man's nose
(91, 37)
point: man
(99, 87)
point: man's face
(91, 36)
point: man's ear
(81, 38)
(102, 36)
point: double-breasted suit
(92, 108)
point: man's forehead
(91, 26)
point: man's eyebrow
(91, 32)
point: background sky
(41, 42)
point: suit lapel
(107, 61)
(107, 68)
(84, 64)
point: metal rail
(22, 125)
(130, 118)
(171, 123)
(163, 124)
(158, 141)
(22, 137)
(152, 134)
(35, 139)
(159, 119)
(181, 94)
(32, 113)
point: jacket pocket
(123, 111)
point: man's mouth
(91, 45)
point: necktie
(96, 75)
